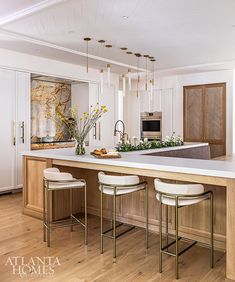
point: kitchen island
(194, 221)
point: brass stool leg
(167, 226)
(101, 219)
(212, 230)
(114, 223)
(160, 233)
(111, 214)
(48, 218)
(147, 216)
(176, 240)
(85, 211)
(44, 212)
(71, 209)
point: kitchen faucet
(122, 133)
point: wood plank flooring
(21, 236)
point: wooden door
(205, 116)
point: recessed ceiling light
(125, 17)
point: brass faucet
(122, 133)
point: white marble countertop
(139, 159)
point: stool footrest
(118, 235)
(111, 229)
(64, 222)
(170, 244)
(193, 243)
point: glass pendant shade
(129, 79)
(108, 74)
(101, 81)
(124, 85)
(151, 89)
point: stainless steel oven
(151, 125)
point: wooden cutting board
(106, 156)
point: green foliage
(146, 145)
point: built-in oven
(151, 125)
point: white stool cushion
(179, 189)
(131, 180)
(53, 174)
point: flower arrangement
(79, 126)
(145, 145)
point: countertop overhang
(140, 159)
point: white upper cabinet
(167, 112)
(14, 118)
(144, 97)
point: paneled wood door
(205, 116)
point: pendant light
(101, 81)
(151, 90)
(129, 73)
(146, 72)
(152, 80)
(123, 85)
(129, 79)
(108, 66)
(87, 39)
(108, 74)
(138, 55)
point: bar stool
(181, 195)
(116, 186)
(55, 180)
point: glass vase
(80, 148)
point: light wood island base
(194, 220)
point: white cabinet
(88, 94)
(23, 138)
(14, 95)
(162, 101)
(102, 134)
(144, 97)
(167, 112)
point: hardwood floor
(21, 236)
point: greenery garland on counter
(146, 145)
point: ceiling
(182, 34)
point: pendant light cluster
(129, 73)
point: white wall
(35, 64)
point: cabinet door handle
(99, 131)
(94, 132)
(22, 131)
(14, 132)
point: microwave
(151, 125)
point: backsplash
(49, 96)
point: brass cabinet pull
(99, 131)
(14, 132)
(22, 131)
(94, 132)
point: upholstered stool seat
(179, 189)
(115, 186)
(124, 184)
(179, 196)
(56, 180)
